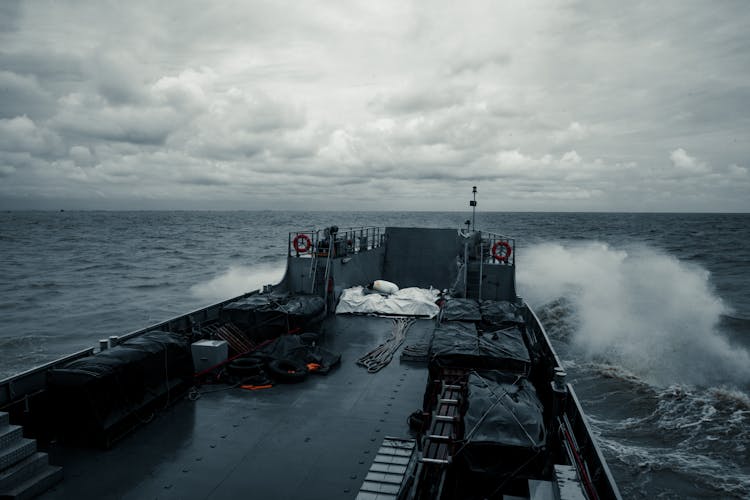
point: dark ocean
(650, 312)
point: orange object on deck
(256, 387)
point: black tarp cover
(503, 410)
(143, 361)
(459, 344)
(270, 314)
(457, 309)
(500, 313)
(98, 392)
(292, 347)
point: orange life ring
(302, 243)
(498, 256)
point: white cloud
(21, 134)
(574, 132)
(682, 160)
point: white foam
(237, 280)
(638, 307)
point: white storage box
(208, 353)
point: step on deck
(388, 472)
(24, 471)
(10, 434)
(35, 485)
(16, 452)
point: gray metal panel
(352, 269)
(359, 269)
(498, 282)
(422, 257)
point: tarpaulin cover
(98, 392)
(500, 313)
(406, 302)
(292, 347)
(504, 426)
(456, 309)
(513, 411)
(459, 344)
(270, 315)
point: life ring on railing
(302, 243)
(502, 257)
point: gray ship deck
(315, 439)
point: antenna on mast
(473, 205)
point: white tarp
(406, 302)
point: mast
(473, 205)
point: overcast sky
(564, 105)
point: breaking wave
(639, 308)
(237, 280)
(650, 333)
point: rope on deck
(378, 358)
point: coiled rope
(378, 358)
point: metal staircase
(24, 471)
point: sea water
(650, 313)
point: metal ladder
(438, 443)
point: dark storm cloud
(476, 63)
(422, 99)
(22, 95)
(10, 13)
(49, 67)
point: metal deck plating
(312, 440)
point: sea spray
(237, 280)
(638, 307)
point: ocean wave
(637, 308)
(29, 343)
(237, 280)
(616, 372)
(44, 285)
(150, 286)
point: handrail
(327, 274)
(346, 241)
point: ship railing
(504, 249)
(344, 242)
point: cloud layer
(544, 105)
